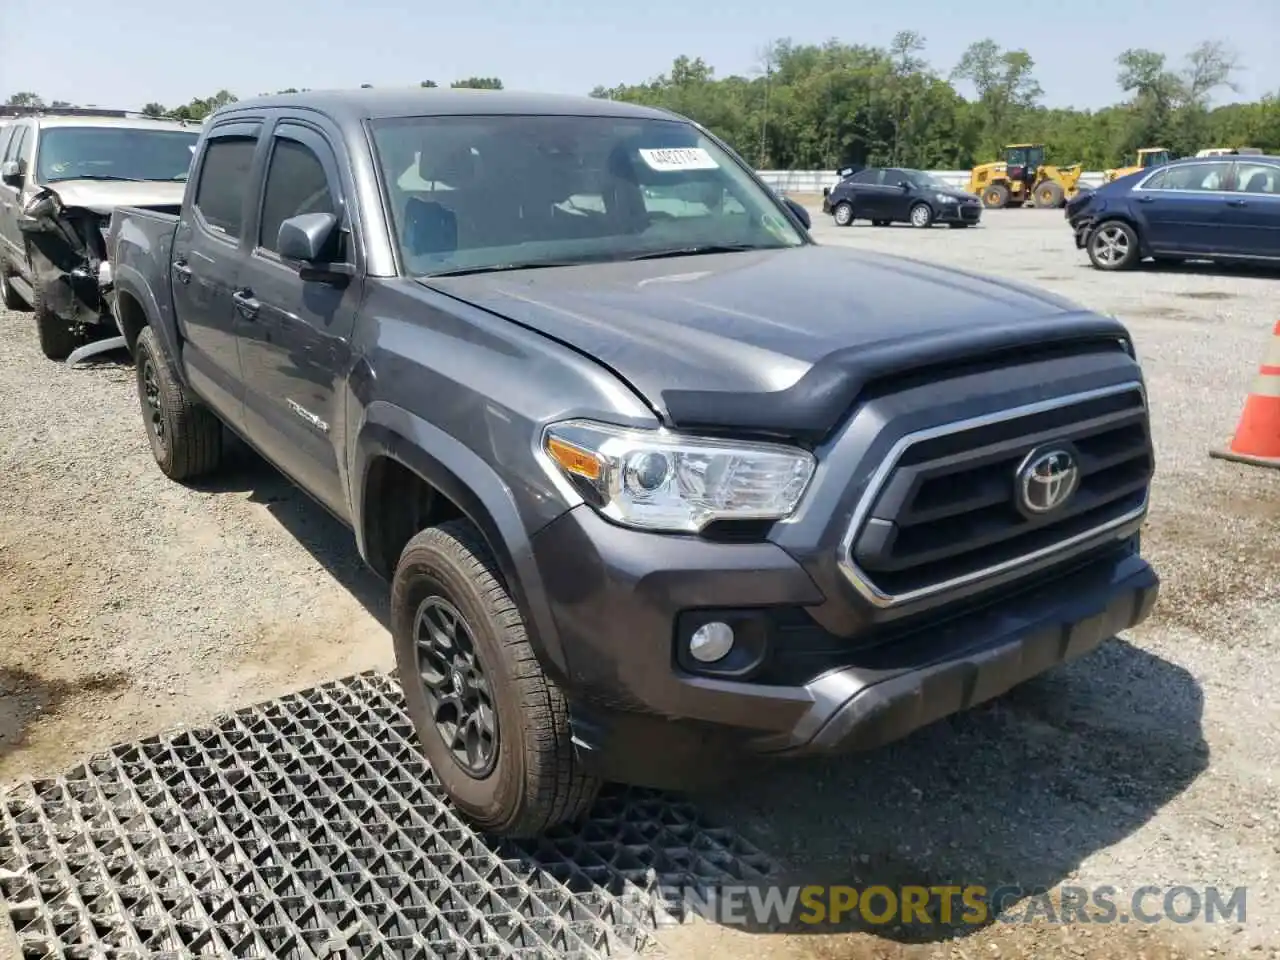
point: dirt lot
(130, 605)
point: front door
(207, 258)
(12, 247)
(295, 335)
(1182, 207)
(1252, 216)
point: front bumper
(958, 213)
(1082, 228)
(623, 601)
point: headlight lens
(945, 198)
(657, 480)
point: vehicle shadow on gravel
(1016, 793)
(330, 543)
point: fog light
(711, 642)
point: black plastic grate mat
(312, 827)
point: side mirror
(904, 185)
(801, 213)
(305, 237)
(11, 174)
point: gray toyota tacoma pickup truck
(656, 480)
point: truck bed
(139, 245)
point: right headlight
(657, 480)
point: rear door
(1252, 216)
(209, 250)
(1182, 207)
(295, 335)
(872, 202)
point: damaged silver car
(61, 178)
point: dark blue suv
(1212, 208)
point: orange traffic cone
(1257, 439)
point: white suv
(60, 179)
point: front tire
(843, 214)
(185, 436)
(493, 725)
(921, 216)
(58, 337)
(1113, 245)
(995, 197)
(1049, 196)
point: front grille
(971, 211)
(945, 510)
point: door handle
(1237, 203)
(182, 270)
(1146, 199)
(246, 306)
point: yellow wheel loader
(1023, 177)
(1147, 157)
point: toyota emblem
(1046, 480)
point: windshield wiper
(502, 268)
(97, 176)
(696, 250)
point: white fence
(812, 181)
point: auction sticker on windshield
(679, 158)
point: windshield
(113, 153)
(1025, 156)
(479, 193)
(926, 180)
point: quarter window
(1257, 178)
(296, 184)
(224, 177)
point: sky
(126, 53)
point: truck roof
(373, 104)
(127, 123)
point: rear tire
(501, 745)
(995, 196)
(58, 337)
(1113, 245)
(185, 436)
(843, 214)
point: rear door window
(1197, 177)
(224, 183)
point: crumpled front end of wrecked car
(68, 255)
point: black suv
(886, 195)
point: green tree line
(821, 106)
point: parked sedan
(1221, 208)
(886, 195)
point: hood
(103, 196)
(777, 341)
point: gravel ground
(130, 605)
